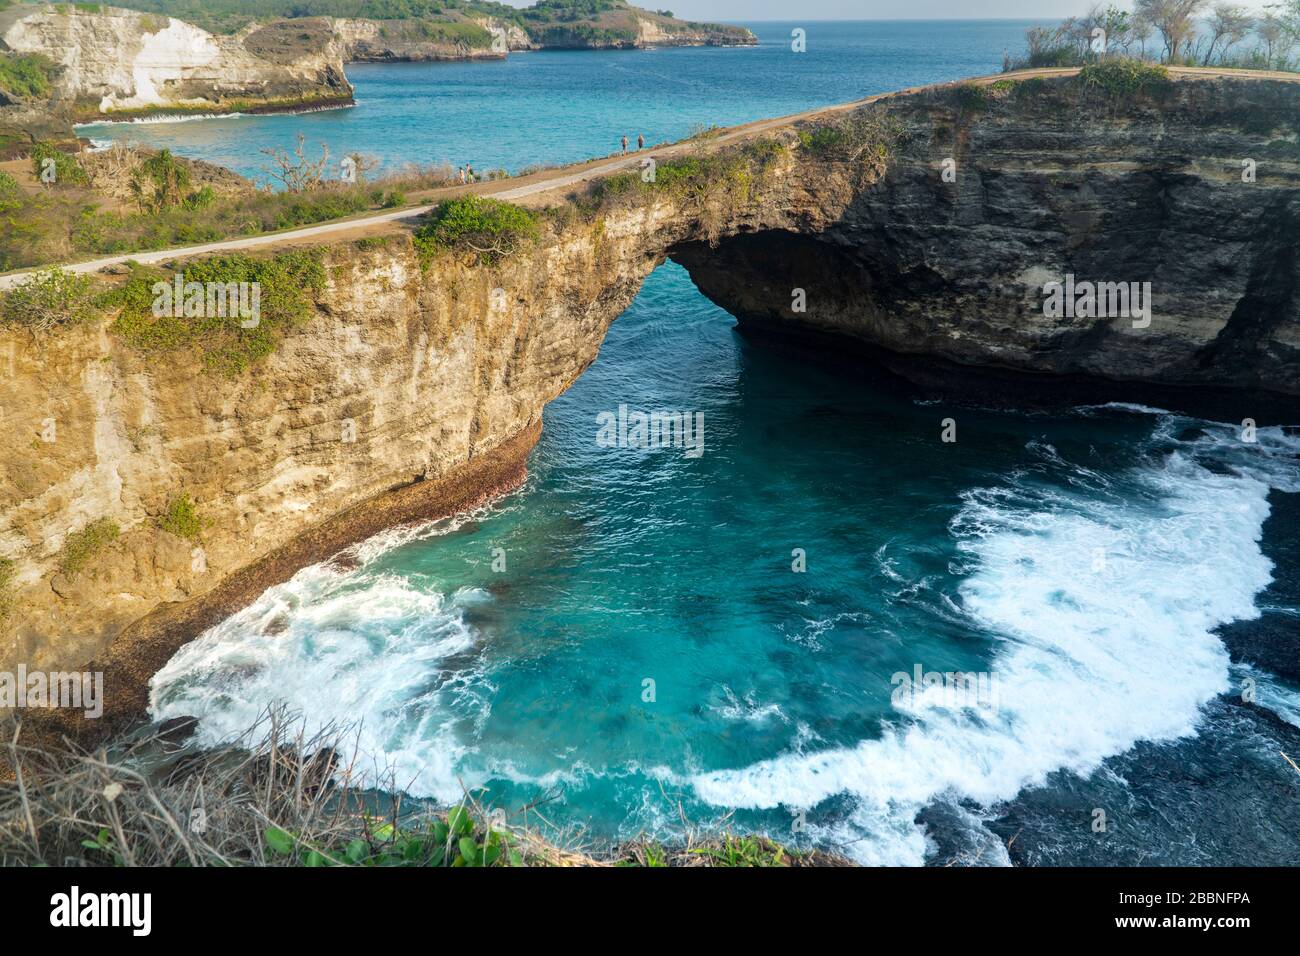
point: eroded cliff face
(412, 392)
(121, 62)
(415, 389)
(1192, 186)
(414, 40)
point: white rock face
(121, 59)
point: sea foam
(1104, 607)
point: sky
(877, 9)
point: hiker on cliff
(624, 145)
(640, 141)
(469, 171)
(461, 170)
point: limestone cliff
(1191, 185)
(925, 224)
(123, 63)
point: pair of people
(466, 173)
(640, 143)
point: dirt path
(531, 188)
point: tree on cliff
(1174, 20)
(1228, 26)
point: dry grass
(279, 796)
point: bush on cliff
(1123, 78)
(229, 343)
(81, 547)
(49, 299)
(182, 519)
(863, 134)
(26, 74)
(489, 228)
(54, 167)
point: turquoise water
(639, 637)
(563, 106)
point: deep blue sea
(756, 635)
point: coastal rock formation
(1185, 194)
(926, 224)
(420, 40)
(122, 63)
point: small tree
(1272, 32)
(160, 182)
(1228, 26)
(296, 171)
(1174, 20)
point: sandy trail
(534, 187)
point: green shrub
(458, 841)
(489, 228)
(287, 284)
(858, 135)
(972, 97)
(67, 171)
(26, 74)
(50, 298)
(182, 519)
(82, 546)
(161, 181)
(1123, 78)
(200, 199)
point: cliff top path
(536, 187)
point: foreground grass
(278, 797)
(71, 220)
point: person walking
(469, 171)
(640, 141)
(461, 170)
(624, 145)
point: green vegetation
(1174, 32)
(863, 133)
(489, 228)
(1123, 78)
(433, 31)
(744, 851)
(82, 546)
(67, 171)
(50, 298)
(58, 225)
(7, 572)
(26, 74)
(977, 97)
(182, 519)
(160, 181)
(555, 22)
(286, 283)
(458, 840)
(280, 797)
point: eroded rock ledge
(444, 379)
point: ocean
(1063, 638)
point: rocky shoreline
(111, 63)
